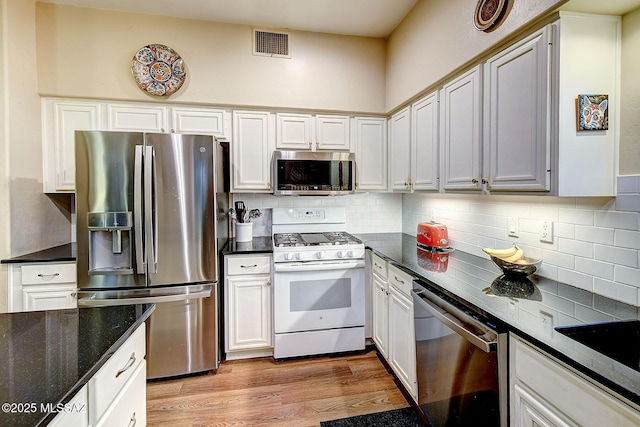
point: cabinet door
(249, 312)
(49, 297)
(400, 150)
(200, 121)
(371, 153)
(61, 120)
(516, 122)
(402, 344)
(380, 311)
(77, 415)
(252, 149)
(137, 118)
(531, 411)
(294, 131)
(460, 119)
(424, 143)
(129, 408)
(332, 132)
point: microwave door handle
(455, 324)
(137, 209)
(149, 209)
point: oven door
(318, 295)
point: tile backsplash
(596, 241)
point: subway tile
(628, 184)
(592, 267)
(559, 259)
(627, 239)
(579, 280)
(627, 275)
(628, 202)
(589, 315)
(615, 255)
(615, 291)
(573, 293)
(621, 220)
(576, 216)
(563, 229)
(574, 247)
(594, 234)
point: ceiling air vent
(269, 43)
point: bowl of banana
(513, 261)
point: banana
(515, 257)
(501, 253)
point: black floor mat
(405, 417)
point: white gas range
(319, 295)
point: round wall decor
(488, 13)
(158, 69)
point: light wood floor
(265, 392)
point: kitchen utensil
(432, 235)
(253, 214)
(524, 266)
(240, 210)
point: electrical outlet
(546, 321)
(512, 226)
(432, 214)
(546, 231)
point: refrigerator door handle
(89, 302)
(137, 209)
(150, 209)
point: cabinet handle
(162, 130)
(474, 181)
(398, 279)
(249, 266)
(74, 294)
(310, 145)
(48, 276)
(132, 360)
(377, 265)
(132, 422)
(268, 282)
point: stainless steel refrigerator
(151, 212)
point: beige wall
(5, 248)
(87, 53)
(438, 36)
(630, 95)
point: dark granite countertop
(527, 313)
(60, 253)
(48, 356)
(259, 244)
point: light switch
(512, 226)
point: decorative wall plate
(158, 69)
(488, 13)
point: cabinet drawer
(379, 266)
(114, 374)
(40, 274)
(401, 280)
(130, 406)
(252, 264)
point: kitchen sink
(618, 340)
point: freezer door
(180, 230)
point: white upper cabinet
(312, 132)
(200, 121)
(251, 152)
(61, 120)
(424, 143)
(371, 153)
(400, 150)
(137, 118)
(516, 116)
(461, 136)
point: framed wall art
(593, 112)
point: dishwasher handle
(461, 323)
(103, 302)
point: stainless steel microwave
(307, 173)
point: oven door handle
(318, 266)
(457, 323)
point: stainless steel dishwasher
(461, 361)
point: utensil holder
(244, 231)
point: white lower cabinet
(117, 392)
(393, 327)
(547, 393)
(248, 306)
(75, 413)
(47, 286)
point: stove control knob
(299, 255)
(288, 256)
(349, 254)
(340, 254)
(320, 255)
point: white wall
(596, 243)
(630, 95)
(438, 36)
(87, 53)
